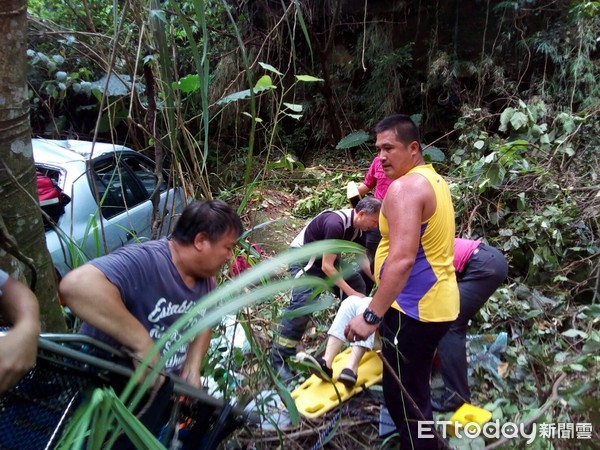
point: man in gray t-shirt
(152, 291)
(133, 295)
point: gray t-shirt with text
(152, 290)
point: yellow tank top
(431, 292)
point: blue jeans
(484, 272)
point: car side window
(144, 172)
(118, 189)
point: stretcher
(35, 412)
(315, 396)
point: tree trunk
(23, 252)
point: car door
(122, 201)
(124, 182)
(171, 201)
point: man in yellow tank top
(417, 295)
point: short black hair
(405, 128)
(370, 205)
(215, 218)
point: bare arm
(195, 355)
(365, 265)
(405, 210)
(328, 267)
(98, 302)
(18, 348)
(363, 189)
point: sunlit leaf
(294, 107)
(573, 333)
(258, 119)
(294, 116)
(270, 68)
(505, 118)
(187, 84)
(308, 78)
(518, 120)
(264, 83)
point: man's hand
(192, 377)
(18, 348)
(18, 352)
(197, 349)
(358, 330)
(139, 354)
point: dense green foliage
(242, 96)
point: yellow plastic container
(466, 414)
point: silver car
(120, 212)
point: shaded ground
(275, 226)
(352, 426)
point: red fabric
(47, 190)
(240, 263)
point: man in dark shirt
(349, 225)
(131, 296)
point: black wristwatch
(370, 317)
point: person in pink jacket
(375, 181)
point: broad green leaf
(505, 118)
(490, 158)
(270, 68)
(577, 389)
(514, 146)
(187, 84)
(308, 78)
(264, 83)
(354, 139)
(573, 333)
(234, 97)
(287, 162)
(592, 347)
(518, 120)
(433, 153)
(479, 144)
(294, 107)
